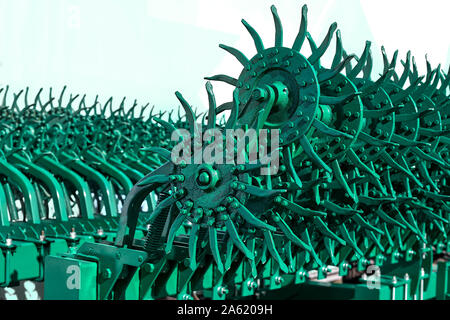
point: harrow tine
(317, 54)
(214, 246)
(330, 248)
(325, 230)
(189, 114)
(250, 218)
(290, 234)
(193, 240)
(313, 155)
(273, 251)
(160, 207)
(234, 111)
(290, 166)
(338, 209)
(362, 61)
(314, 49)
(236, 53)
(176, 225)
(224, 78)
(384, 216)
(212, 106)
(5, 94)
(255, 36)
(278, 27)
(228, 255)
(341, 179)
(367, 71)
(349, 241)
(407, 69)
(298, 43)
(325, 75)
(339, 50)
(234, 236)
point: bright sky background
(148, 49)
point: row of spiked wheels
(66, 167)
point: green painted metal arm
(111, 170)
(27, 189)
(50, 181)
(90, 174)
(86, 202)
(138, 165)
(132, 206)
(4, 217)
(11, 202)
(134, 174)
(106, 188)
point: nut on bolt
(302, 274)
(107, 274)
(251, 284)
(259, 94)
(149, 267)
(221, 290)
(346, 266)
(279, 280)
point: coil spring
(153, 239)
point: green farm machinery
(350, 201)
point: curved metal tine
(407, 69)
(223, 78)
(256, 38)
(278, 27)
(212, 106)
(430, 74)
(362, 61)
(339, 50)
(394, 60)
(317, 54)
(304, 142)
(367, 71)
(37, 98)
(214, 246)
(414, 74)
(108, 103)
(5, 96)
(14, 105)
(71, 100)
(370, 87)
(236, 53)
(61, 96)
(445, 82)
(385, 59)
(234, 111)
(430, 91)
(130, 112)
(326, 74)
(25, 98)
(190, 116)
(348, 66)
(313, 46)
(300, 39)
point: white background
(148, 49)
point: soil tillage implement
(361, 179)
(66, 168)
